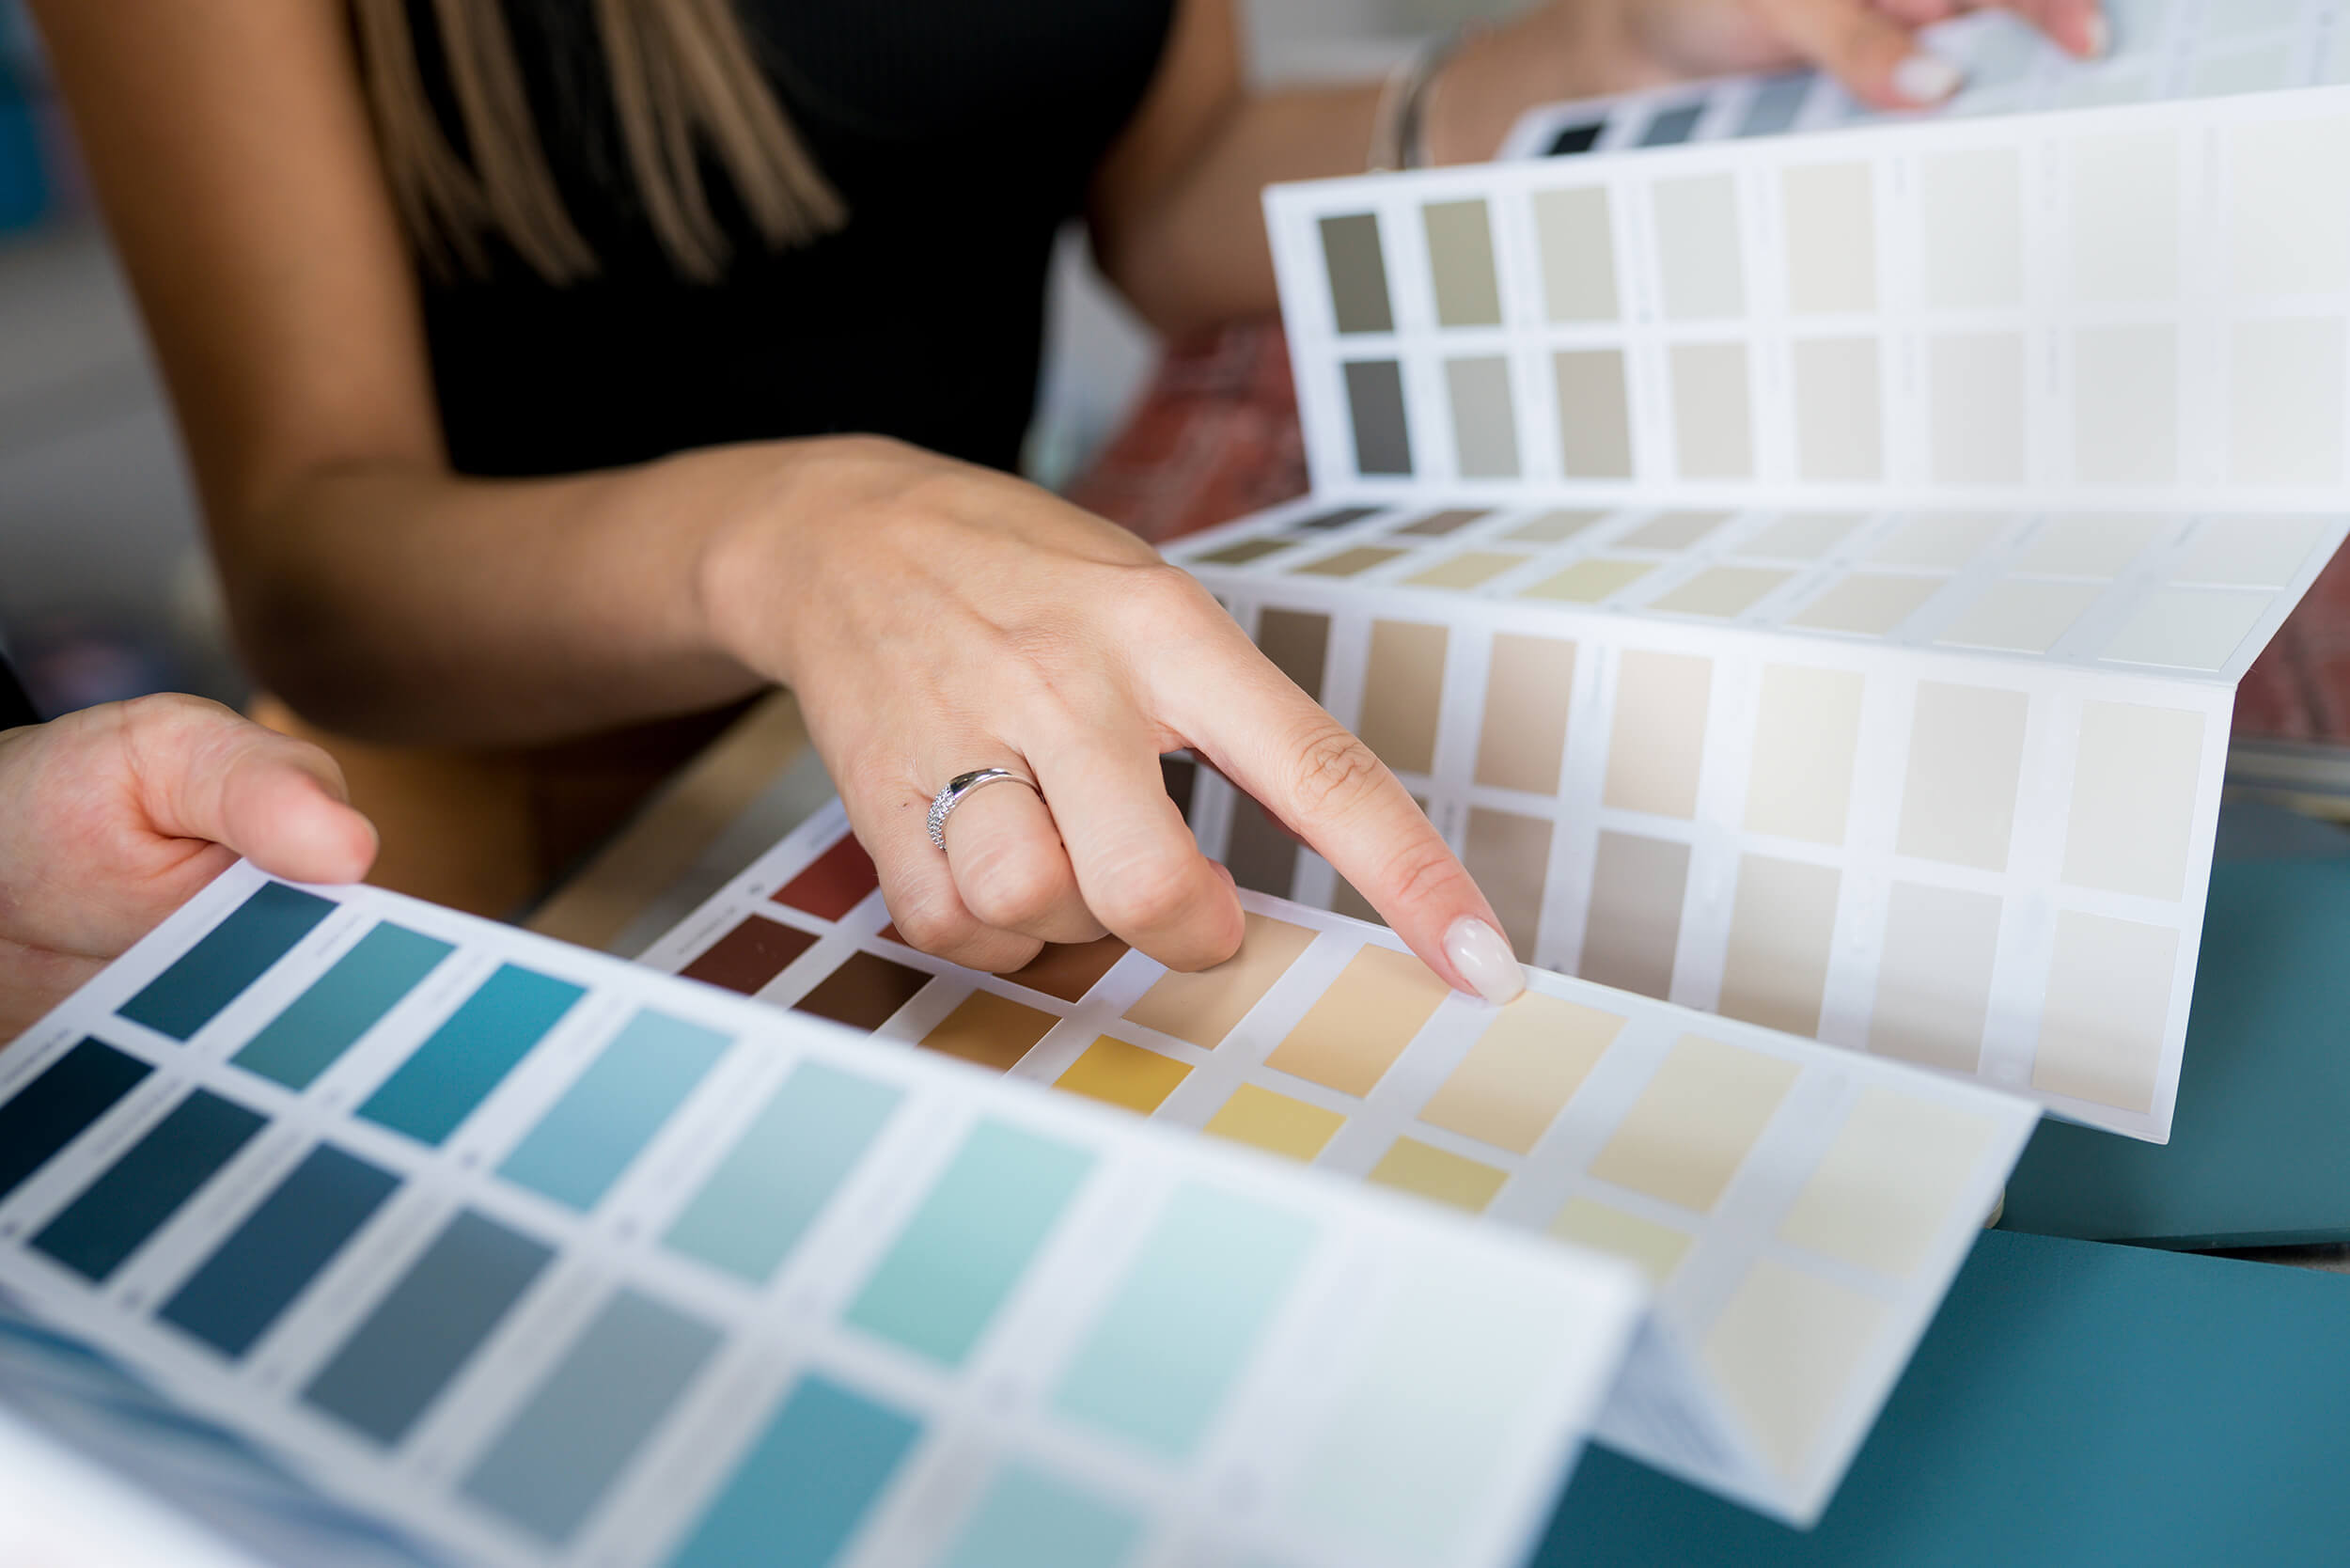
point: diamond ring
(960, 787)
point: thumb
(1877, 59)
(205, 773)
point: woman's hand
(935, 619)
(112, 818)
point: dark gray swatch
(1358, 272)
(1375, 397)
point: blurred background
(103, 589)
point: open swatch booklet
(1806, 578)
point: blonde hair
(683, 80)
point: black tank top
(961, 132)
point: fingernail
(1926, 78)
(1484, 960)
(2096, 38)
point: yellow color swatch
(1467, 569)
(1690, 1129)
(1118, 1073)
(1883, 1193)
(1275, 1123)
(1522, 1071)
(1783, 1350)
(1433, 1172)
(1589, 582)
(1203, 1008)
(1353, 1035)
(990, 1030)
(1655, 1249)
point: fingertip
(302, 832)
(1922, 80)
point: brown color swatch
(989, 1031)
(1298, 643)
(1349, 1039)
(1510, 857)
(1402, 691)
(1527, 684)
(864, 991)
(835, 882)
(1438, 524)
(1069, 971)
(1241, 552)
(1203, 1008)
(1635, 919)
(750, 955)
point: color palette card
(544, 1258)
(2161, 49)
(1800, 1210)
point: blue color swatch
(228, 957)
(468, 1056)
(322, 1023)
(132, 1198)
(806, 1483)
(605, 1119)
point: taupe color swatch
(2107, 1003)
(989, 1030)
(1374, 400)
(1635, 919)
(1807, 732)
(1658, 738)
(1403, 693)
(1578, 245)
(1203, 1008)
(1595, 414)
(1509, 854)
(1437, 525)
(1934, 977)
(1242, 552)
(1553, 527)
(1966, 756)
(1298, 643)
(1349, 1039)
(1358, 272)
(1528, 684)
(1350, 563)
(1691, 1128)
(1782, 924)
(1674, 530)
(1522, 1072)
(1830, 220)
(1261, 856)
(1484, 417)
(1461, 260)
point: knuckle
(1164, 600)
(1332, 773)
(1147, 895)
(1014, 889)
(932, 925)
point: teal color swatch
(2072, 1403)
(782, 1171)
(1030, 1520)
(970, 1240)
(226, 959)
(53, 1110)
(603, 1121)
(1183, 1325)
(132, 1198)
(470, 1055)
(344, 1003)
(806, 1483)
(561, 1451)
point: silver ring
(960, 787)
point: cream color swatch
(1461, 256)
(1977, 387)
(1839, 433)
(1934, 977)
(1655, 1249)
(1509, 854)
(1882, 1195)
(1966, 756)
(1692, 1126)
(1938, 542)
(2090, 545)
(1402, 691)
(2125, 404)
(1589, 582)
(2285, 425)
(1806, 730)
(1721, 592)
(1273, 1122)
(1553, 527)
(1469, 568)
(2019, 616)
(1781, 923)
(1784, 1350)
(1203, 1008)
(2124, 216)
(1578, 245)
(1713, 418)
(1528, 683)
(1595, 414)
(1658, 739)
(2248, 551)
(1973, 205)
(2283, 240)
(2109, 1002)
(1349, 1039)
(2134, 779)
(1867, 601)
(1522, 1072)
(1802, 536)
(1438, 1174)
(1697, 247)
(1673, 530)
(2187, 628)
(1634, 924)
(1831, 224)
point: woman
(551, 367)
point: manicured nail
(2097, 38)
(1484, 960)
(1926, 78)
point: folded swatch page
(1799, 1210)
(542, 1258)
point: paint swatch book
(539, 1258)
(1807, 576)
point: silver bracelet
(1399, 133)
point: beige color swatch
(1697, 247)
(1589, 582)
(1243, 551)
(1867, 601)
(1659, 740)
(1634, 925)
(1839, 430)
(2109, 1002)
(1595, 414)
(2283, 242)
(1203, 1008)
(1578, 245)
(1934, 977)
(1673, 530)
(1966, 756)
(2134, 779)
(1469, 568)
(2248, 551)
(1528, 684)
(1402, 691)
(2187, 628)
(989, 1031)
(1721, 591)
(1509, 854)
(1118, 1073)
(1553, 527)
(1484, 417)
(2124, 216)
(1655, 1249)
(1349, 1039)
(1938, 542)
(1275, 1123)
(2020, 615)
(1692, 1126)
(2125, 404)
(1713, 414)
(1298, 643)
(1461, 256)
(1781, 923)
(1438, 1174)
(2094, 544)
(1882, 1195)
(1830, 219)
(1348, 563)
(1977, 388)
(1784, 1350)
(1802, 536)
(2286, 403)
(1522, 1072)
(1973, 206)
(1807, 731)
